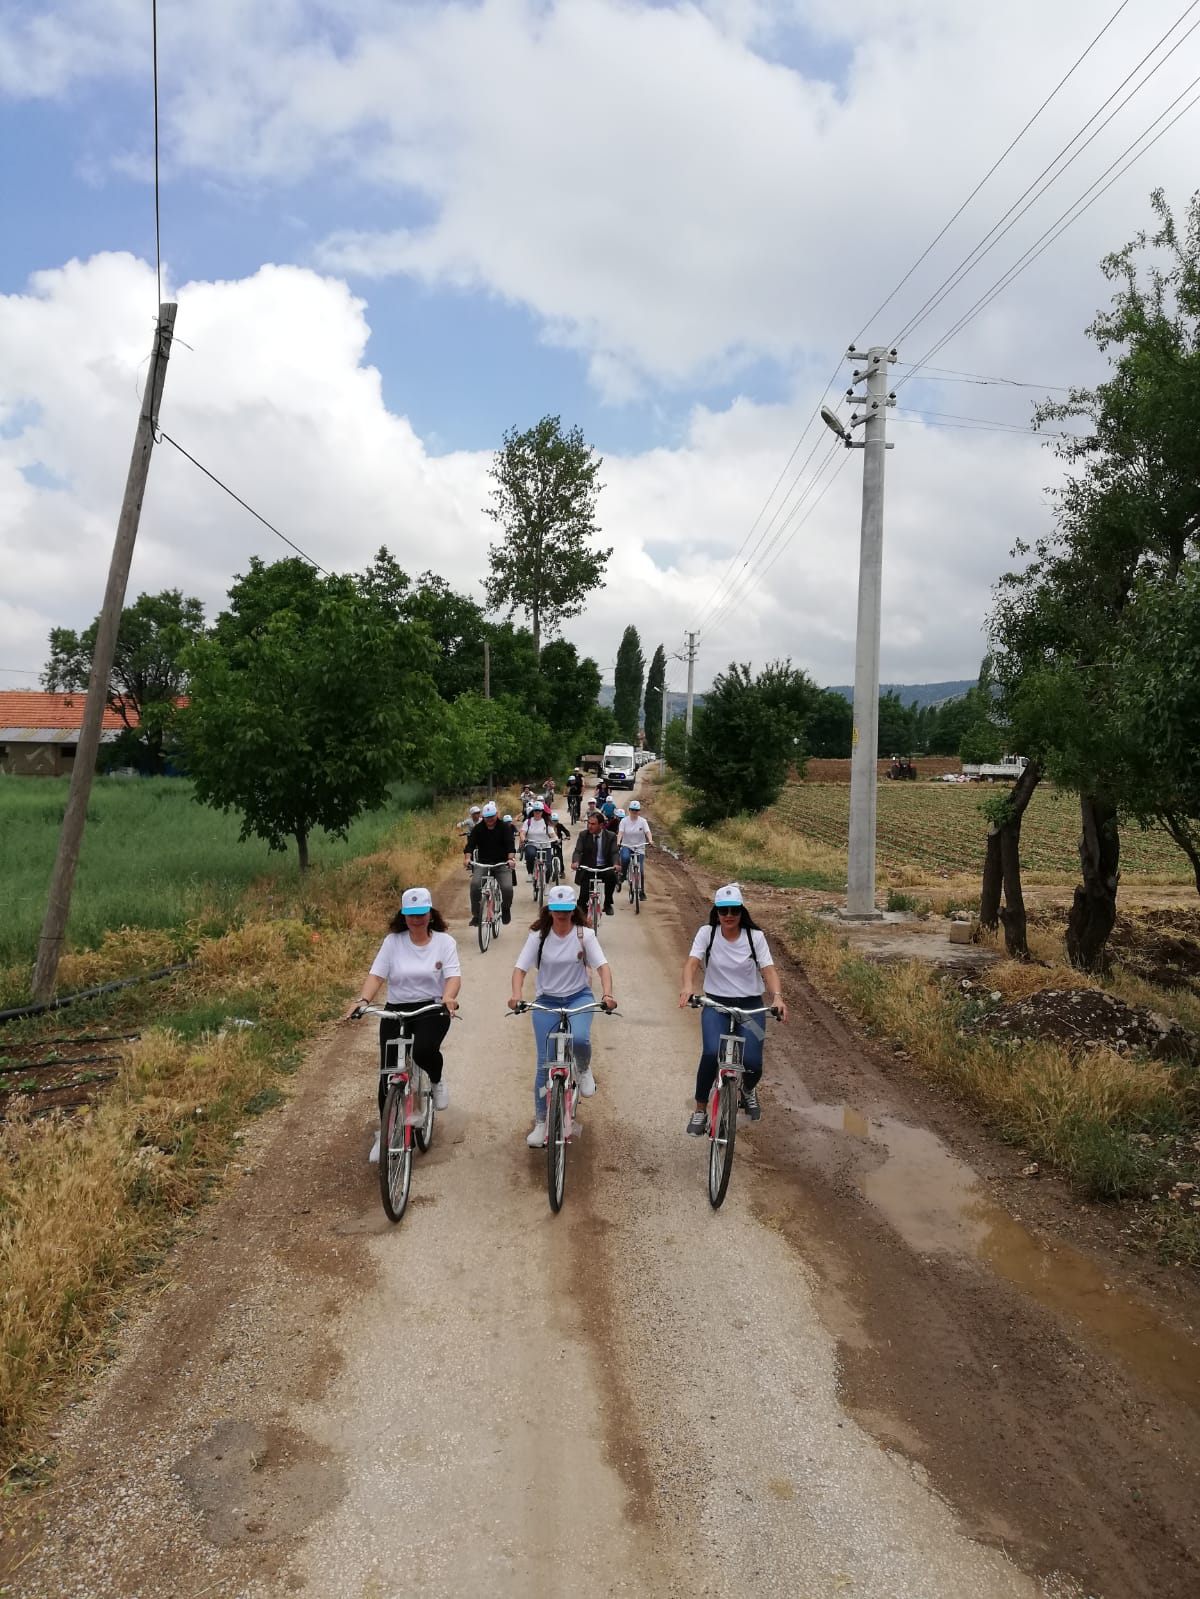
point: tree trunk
(993, 881)
(1187, 842)
(302, 849)
(1002, 867)
(1094, 909)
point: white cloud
(298, 426)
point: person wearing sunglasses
(418, 963)
(730, 955)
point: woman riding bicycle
(730, 953)
(634, 833)
(562, 948)
(536, 834)
(418, 961)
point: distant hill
(676, 702)
(919, 694)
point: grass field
(151, 858)
(938, 828)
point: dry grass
(746, 845)
(88, 1202)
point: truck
(1007, 769)
(619, 765)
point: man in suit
(596, 847)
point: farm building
(39, 733)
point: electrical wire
(167, 439)
(953, 418)
(1061, 223)
(996, 232)
(157, 219)
(943, 374)
(1000, 159)
(746, 578)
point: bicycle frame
(595, 896)
(489, 901)
(560, 1068)
(402, 1076)
(727, 1080)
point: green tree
(565, 691)
(897, 725)
(545, 486)
(1128, 514)
(656, 681)
(148, 673)
(740, 748)
(300, 718)
(627, 684)
(674, 749)
(830, 726)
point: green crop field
(938, 826)
(151, 857)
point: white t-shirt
(537, 830)
(635, 832)
(565, 961)
(416, 971)
(731, 966)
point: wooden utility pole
(58, 905)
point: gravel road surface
(636, 1397)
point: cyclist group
(730, 960)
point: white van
(619, 765)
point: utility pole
(691, 666)
(62, 880)
(487, 694)
(864, 752)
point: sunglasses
(729, 910)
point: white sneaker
(537, 1138)
(373, 1157)
(587, 1083)
(441, 1096)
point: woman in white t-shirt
(561, 947)
(731, 955)
(537, 833)
(634, 833)
(418, 963)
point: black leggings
(427, 1034)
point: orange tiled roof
(19, 708)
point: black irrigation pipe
(90, 993)
(82, 1038)
(61, 1088)
(46, 1065)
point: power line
(1063, 221)
(166, 437)
(995, 233)
(157, 221)
(954, 417)
(1003, 156)
(944, 374)
(714, 604)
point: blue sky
(660, 221)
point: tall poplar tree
(655, 687)
(627, 684)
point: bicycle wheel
(720, 1144)
(423, 1131)
(395, 1155)
(556, 1144)
(635, 888)
(596, 913)
(484, 930)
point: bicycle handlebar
(404, 1015)
(599, 871)
(702, 1002)
(523, 1005)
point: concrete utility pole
(487, 694)
(864, 752)
(70, 838)
(691, 666)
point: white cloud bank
(298, 426)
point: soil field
(939, 828)
(828, 769)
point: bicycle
(595, 896)
(634, 877)
(489, 903)
(408, 1110)
(562, 1091)
(574, 805)
(726, 1093)
(542, 870)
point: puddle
(937, 1205)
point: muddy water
(938, 1205)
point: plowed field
(939, 826)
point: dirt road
(861, 1377)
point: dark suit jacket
(585, 849)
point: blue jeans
(712, 1025)
(543, 1026)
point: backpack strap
(750, 932)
